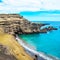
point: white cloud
(51, 4)
(12, 6)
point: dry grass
(14, 48)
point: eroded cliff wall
(14, 23)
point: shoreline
(31, 51)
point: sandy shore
(22, 50)
(32, 52)
(13, 48)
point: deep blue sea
(48, 43)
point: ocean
(49, 42)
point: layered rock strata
(16, 24)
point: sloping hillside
(10, 48)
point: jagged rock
(16, 24)
(51, 28)
(45, 30)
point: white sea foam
(41, 54)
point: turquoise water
(48, 43)
(42, 15)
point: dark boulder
(51, 28)
(45, 30)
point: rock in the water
(45, 30)
(51, 28)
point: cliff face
(14, 23)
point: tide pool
(48, 43)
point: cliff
(14, 23)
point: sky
(16, 6)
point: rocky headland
(47, 29)
(16, 24)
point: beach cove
(39, 41)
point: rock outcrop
(45, 30)
(16, 24)
(51, 28)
